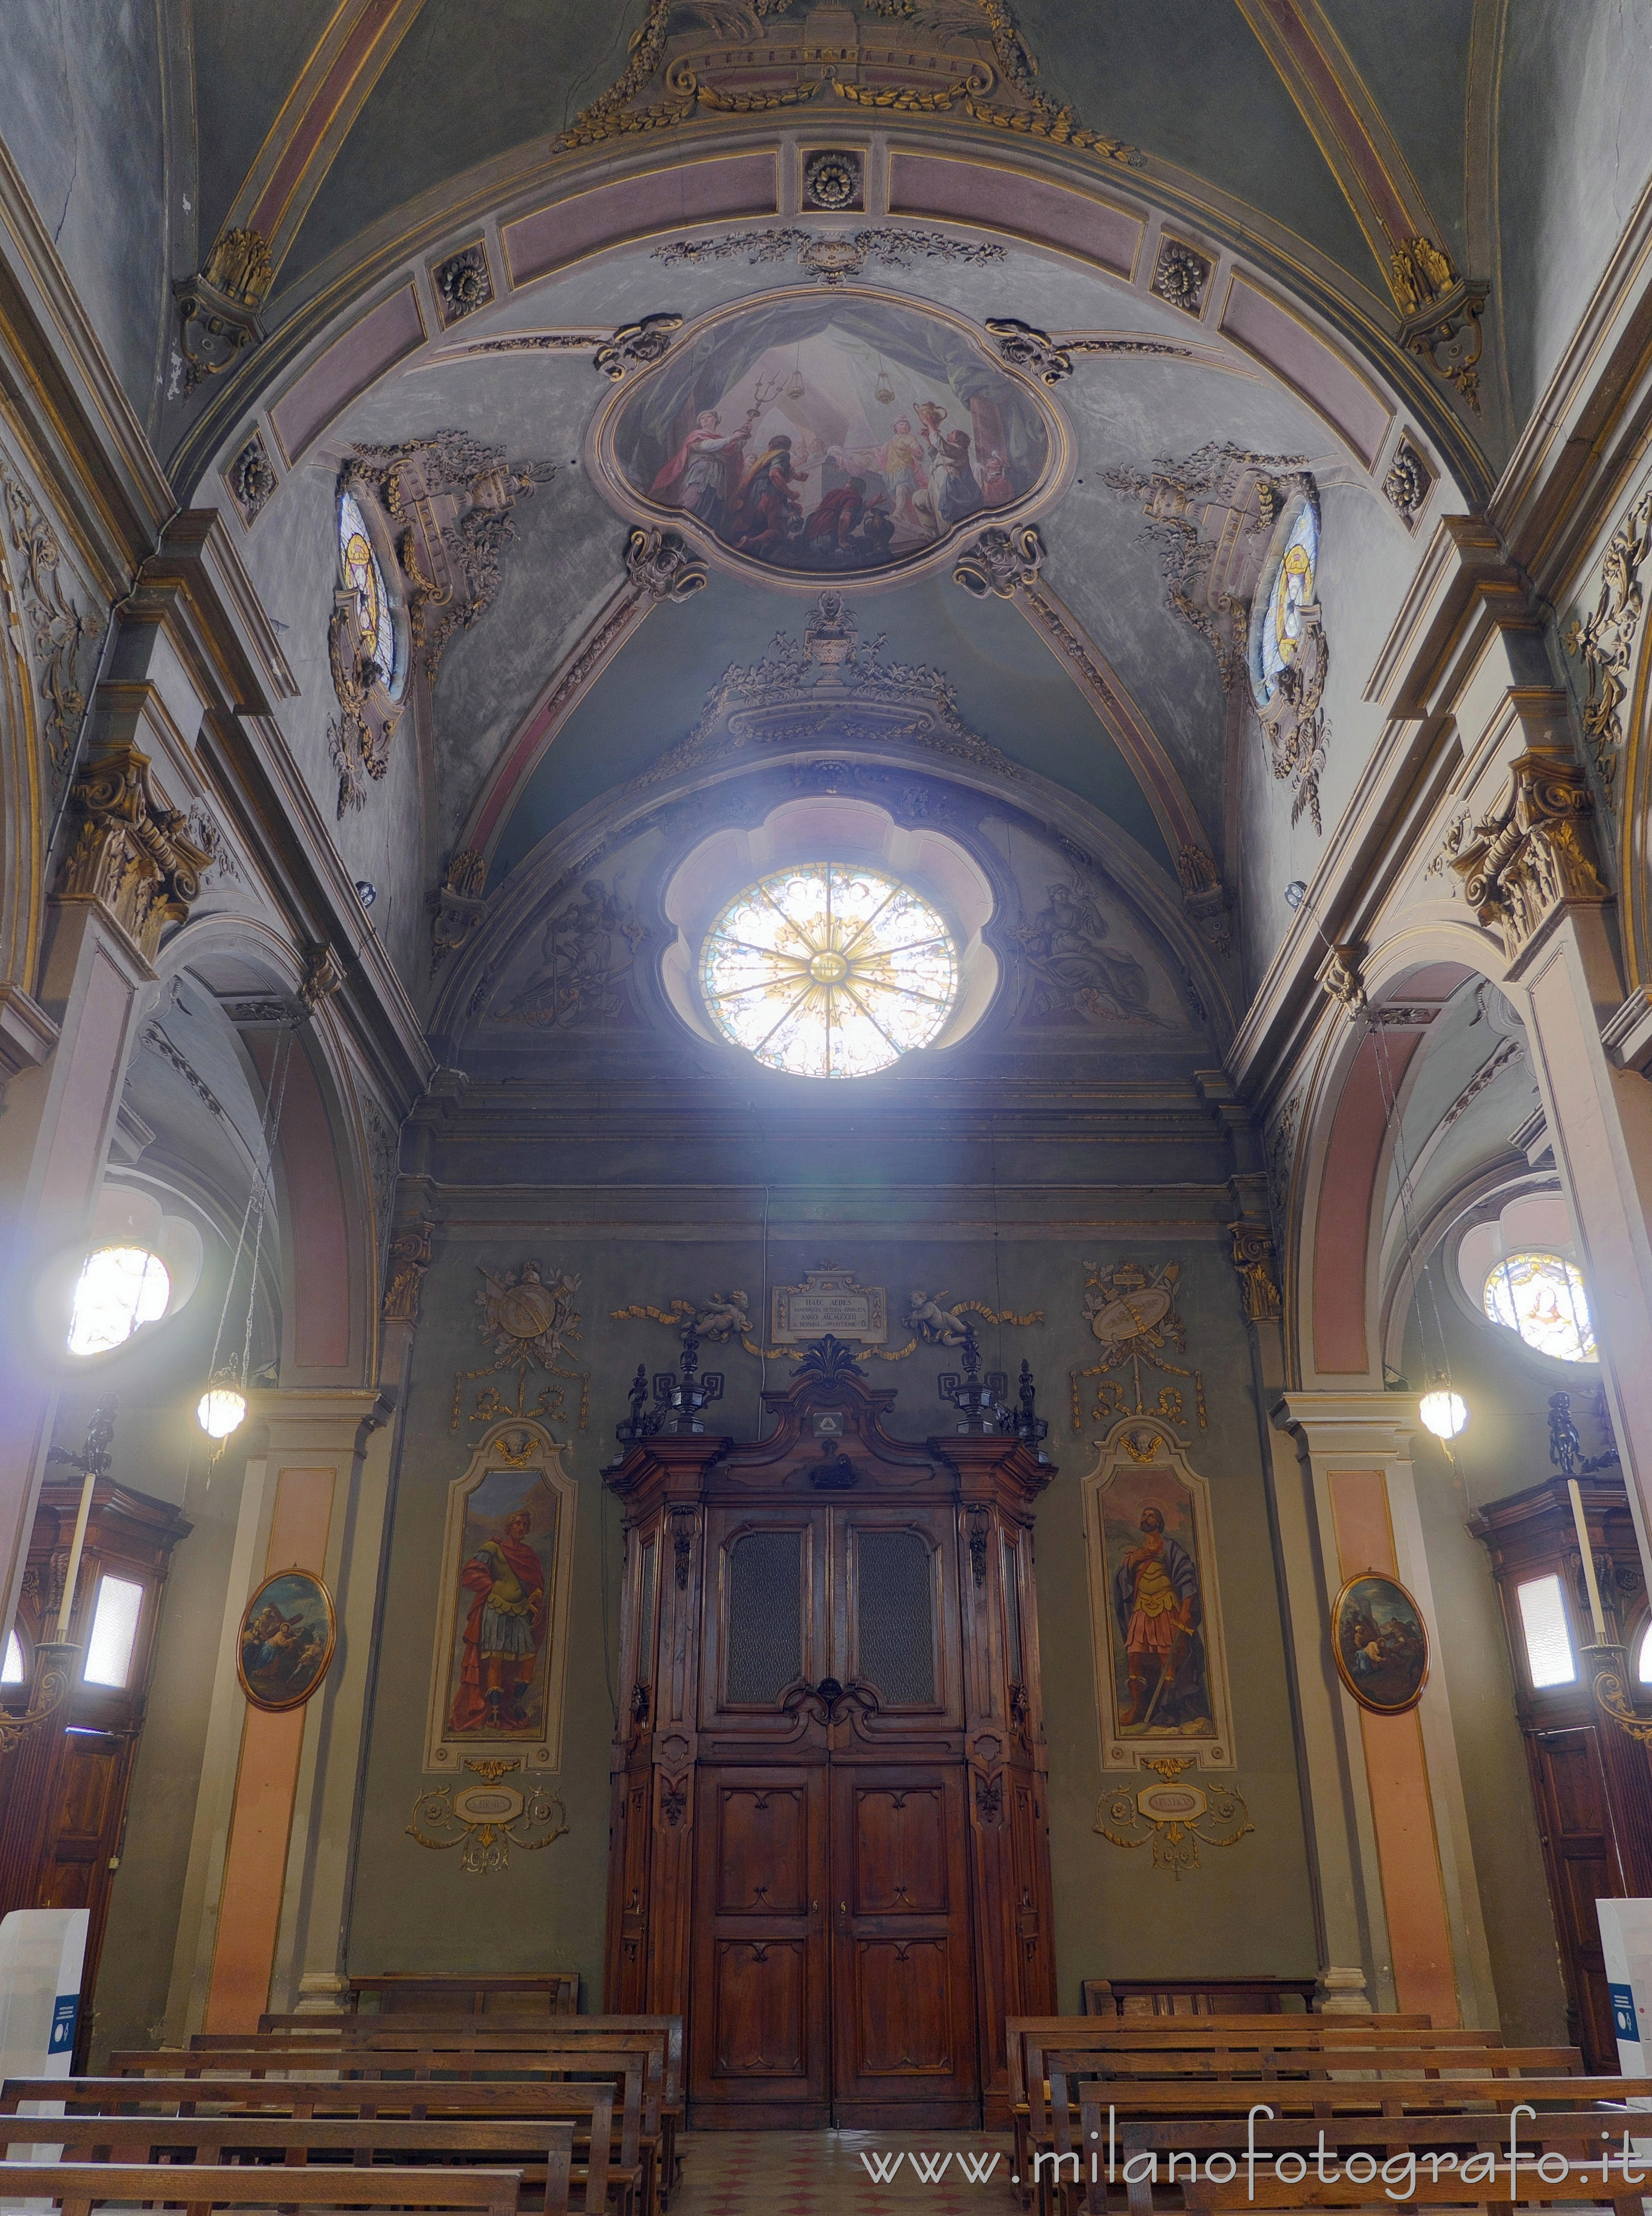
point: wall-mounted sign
(828, 1300)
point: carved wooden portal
(829, 1846)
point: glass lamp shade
(220, 1411)
(1445, 1412)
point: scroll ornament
(1174, 1816)
(724, 1318)
(526, 1318)
(1533, 855)
(485, 1821)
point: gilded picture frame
(286, 1643)
(1380, 1644)
(499, 1656)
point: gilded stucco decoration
(462, 283)
(590, 949)
(1533, 855)
(1440, 314)
(1604, 642)
(1182, 276)
(834, 257)
(833, 180)
(528, 1320)
(56, 630)
(1191, 508)
(447, 498)
(251, 479)
(217, 307)
(457, 905)
(635, 346)
(1001, 562)
(828, 1300)
(1130, 1312)
(1408, 483)
(410, 1250)
(965, 58)
(485, 1821)
(132, 854)
(1177, 1818)
(826, 680)
(1254, 1261)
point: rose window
(828, 970)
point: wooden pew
(541, 2152)
(463, 1994)
(1083, 2031)
(1196, 1997)
(1577, 2134)
(598, 2187)
(1073, 2079)
(343, 2030)
(365, 2048)
(78, 2185)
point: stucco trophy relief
(526, 1316)
(1132, 1316)
(829, 1300)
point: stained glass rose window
(375, 626)
(828, 970)
(1543, 1298)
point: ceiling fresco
(843, 434)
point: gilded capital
(1533, 855)
(131, 852)
(1253, 1257)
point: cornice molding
(83, 437)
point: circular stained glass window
(375, 627)
(827, 971)
(119, 1288)
(1543, 1298)
(1276, 636)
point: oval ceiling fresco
(822, 433)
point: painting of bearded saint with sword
(1159, 1614)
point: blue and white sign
(1626, 1943)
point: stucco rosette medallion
(822, 434)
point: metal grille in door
(765, 1633)
(895, 1642)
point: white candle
(1587, 1553)
(73, 1575)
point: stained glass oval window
(375, 626)
(1544, 1298)
(1276, 635)
(828, 970)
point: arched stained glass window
(1544, 1298)
(375, 626)
(827, 971)
(1278, 634)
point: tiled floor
(822, 2174)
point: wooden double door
(834, 1971)
(830, 1847)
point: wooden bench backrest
(1196, 1997)
(548, 2057)
(1018, 2029)
(1265, 2063)
(1331, 2096)
(588, 2105)
(556, 1993)
(355, 2139)
(1577, 2134)
(550, 2045)
(77, 2185)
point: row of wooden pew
(562, 2113)
(1207, 2114)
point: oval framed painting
(1379, 1643)
(285, 1647)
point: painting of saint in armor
(502, 1611)
(843, 434)
(1380, 1644)
(1160, 1671)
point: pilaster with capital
(1387, 1811)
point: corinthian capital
(1533, 855)
(132, 854)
